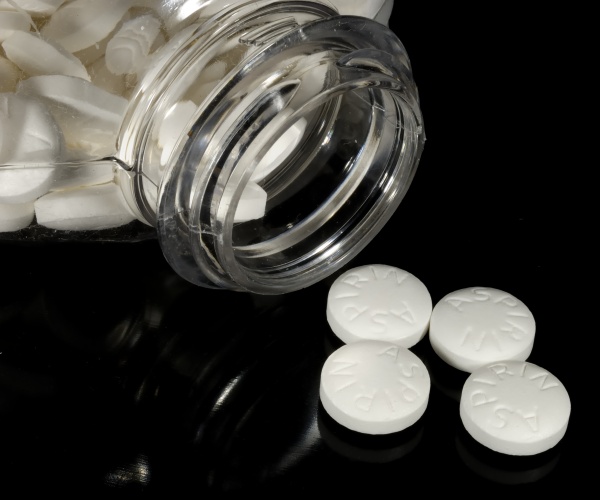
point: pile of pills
(68, 69)
(375, 384)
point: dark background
(118, 376)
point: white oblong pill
(83, 209)
(128, 48)
(374, 387)
(89, 117)
(15, 217)
(515, 407)
(252, 204)
(9, 75)
(80, 24)
(36, 56)
(30, 142)
(11, 22)
(476, 326)
(379, 302)
(70, 176)
(33, 7)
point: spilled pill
(379, 302)
(374, 387)
(476, 326)
(515, 407)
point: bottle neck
(269, 144)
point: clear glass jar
(264, 143)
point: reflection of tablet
(366, 447)
(504, 469)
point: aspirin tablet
(515, 408)
(374, 387)
(379, 302)
(476, 326)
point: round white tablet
(379, 302)
(476, 326)
(374, 387)
(515, 408)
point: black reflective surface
(118, 376)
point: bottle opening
(303, 154)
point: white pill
(476, 326)
(83, 209)
(36, 56)
(127, 50)
(69, 176)
(374, 387)
(379, 302)
(33, 7)
(9, 75)
(252, 204)
(30, 140)
(89, 117)
(80, 24)
(97, 50)
(281, 149)
(15, 217)
(11, 22)
(515, 408)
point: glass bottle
(263, 143)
